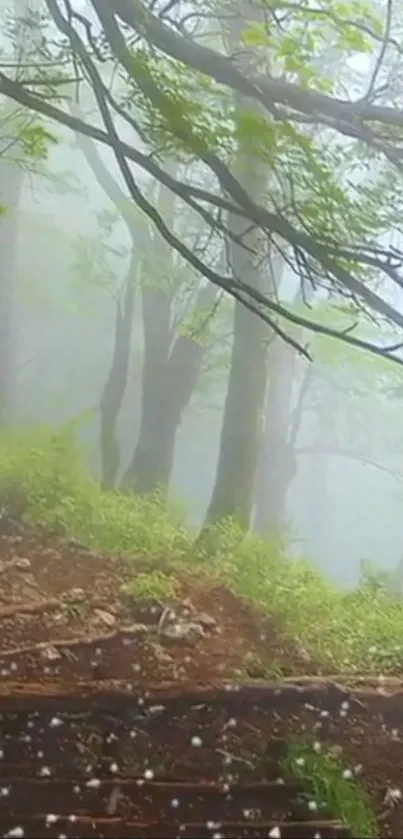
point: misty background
(69, 263)
(339, 508)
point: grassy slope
(348, 631)
(355, 631)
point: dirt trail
(65, 621)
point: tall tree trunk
(117, 378)
(277, 459)
(241, 428)
(169, 379)
(243, 409)
(116, 382)
(11, 179)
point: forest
(201, 346)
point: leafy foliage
(332, 787)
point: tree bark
(116, 382)
(241, 429)
(169, 379)
(278, 461)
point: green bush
(42, 472)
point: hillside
(67, 619)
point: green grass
(351, 631)
(331, 788)
(153, 585)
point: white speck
(275, 832)
(4, 792)
(347, 774)
(72, 817)
(313, 806)
(149, 774)
(93, 783)
(345, 705)
(317, 747)
(55, 722)
(196, 741)
(175, 803)
(114, 768)
(300, 761)
(393, 795)
(317, 836)
(44, 772)
(51, 818)
(15, 832)
(324, 713)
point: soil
(68, 630)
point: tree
(169, 72)
(240, 436)
(173, 350)
(23, 143)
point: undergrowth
(43, 473)
(331, 789)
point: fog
(71, 259)
(341, 507)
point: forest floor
(69, 613)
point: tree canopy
(333, 141)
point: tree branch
(337, 451)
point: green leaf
(255, 35)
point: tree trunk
(11, 178)
(277, 459)
(235, 477)
(117, 378)
(116, 382)
(169, 379)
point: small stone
(182, 631)
(105, 617)
(22, 563)
(75, 595)
(207, 621)
(50, 653)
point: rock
(182, 631)
(137, 629)
(105, 617)
(50, 653)
(205, 620)
(76, 595)
(22, 563)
